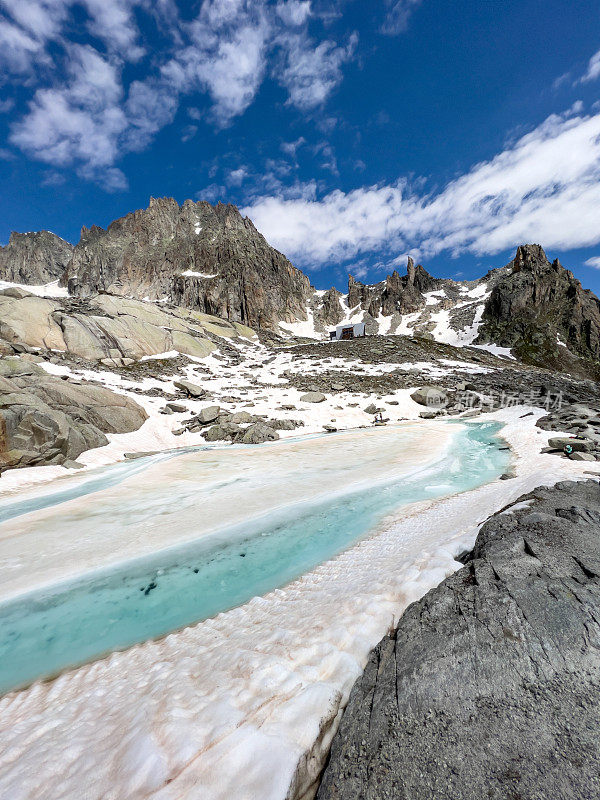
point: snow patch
(161, 356)
(304, 328)
(189, 273)
(496, 350)
(44, 290)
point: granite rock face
(34, 258)
(108, 328)
(490, 685)
(196, 255)
(45, 420)
(535, 306)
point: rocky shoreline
(489, 685)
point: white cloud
(544, 187)
(593, 262)
(593, 69)
(226, 57)
(291, 148)
(40, 18)
(87, 123)
(79, 123)
(212, 193)
(312, 72)
(113, 22)
(236, 177)
(398, 15)
(29, 26)
(149, 107)
(18, 49)
(231, 42)
(294, 12)
(86, 110)
(329, 161)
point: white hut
(355, 331)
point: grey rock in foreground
(490, 685)
(45, 420)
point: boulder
(371, 409)
(259, 433)
(490, 684)
(216, 433)
(313, 397)
(47, 420)
(577, 456)
(199, 347)
(208, 414)
(191, 389)
(284, 424)
(242, 418)
(576, 445)
(29, 321)
(15, 292)
(177, 408)
(430, 396)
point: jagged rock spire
(528, 256)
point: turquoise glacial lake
(49, 630)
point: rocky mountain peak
(34, 258)
(196, 255)
(529, 257)
(536, 306)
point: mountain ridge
(211, 259)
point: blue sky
(352, 133)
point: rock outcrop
(537, 306)
(401, 294)
(490, 685)
(34, 258)
(328, 309)
(196, 255)
(107, 328)
(46, 420)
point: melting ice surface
(48, 630)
